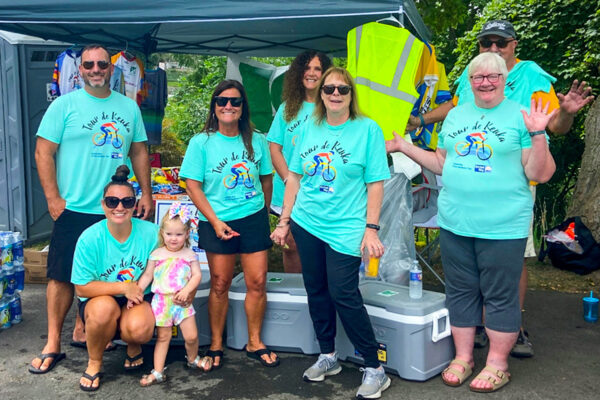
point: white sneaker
(374, 381)
(326, 365)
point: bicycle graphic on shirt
(321, 163)
(108, 133)
(475, 141)
(240, 175)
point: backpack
(563, 257)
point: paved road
(566, 365)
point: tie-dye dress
(170, 275)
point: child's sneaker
(326, 365)
(374, 382)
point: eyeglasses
(90, 64)
(113, 202)
(235, 101)
(342, 89)
(500, 43)
(492, 78)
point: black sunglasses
(342, 89)
(500, 43)
(90, 64)
(235, 101)
(113, 202)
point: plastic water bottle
(11, 281)
(19, 276)
(17, 248)
(16, 312)
(4, 312)
(6, 251)
(415, 288)
(2, 282)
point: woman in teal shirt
(332, 203)
(109, 258)
(229, 177)
(300, 91)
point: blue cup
(590, 308)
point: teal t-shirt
(286, 135)
(100, 257)
(522, 82)
(485, 192)
(94, 136)
(337, 162)
(230, 178)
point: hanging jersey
(117, 81)
(133, 73)
(66, 77)
(154, 103)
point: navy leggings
(331, 281)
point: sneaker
(523, 348)
(481, 339)
(326, 365)
(374, 381)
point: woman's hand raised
(538, 117)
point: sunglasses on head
(342, 89)
(500, 43)
(90, 64)
(235, 101)
(113, 202)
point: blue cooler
(413, 335)
(287, 325)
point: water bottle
(2, 282)
(11, 281)
(6, 251)
(16, 313)
(361, 271)
(415, 288)
(4, 312)
(17, 248)
(19, 275)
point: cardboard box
(35, 266)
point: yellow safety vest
(383, 60)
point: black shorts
(67, 229)
(254, 236)
(121, 301)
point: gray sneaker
(326, 365)
(374, 382)
(523, 348)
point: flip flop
(132, 360)
(257, 355)
(461, 375)
(83, 345)
(56, 357)
(91, 378)
(495, 375)
(215, 353)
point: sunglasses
(113, 202)
(90, 64)
(492, 78)
(342, 89)
(500, 43)
(235, 101)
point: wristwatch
(535, 133)
(373, 226)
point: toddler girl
(175, 274)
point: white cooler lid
(395, 299)
(277, 282)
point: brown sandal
(461, 375)
(496, 377)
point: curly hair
(294, 92)
(245, 126)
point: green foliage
(563, 37)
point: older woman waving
(333, 197)
(487, 153)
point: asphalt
(566, 365)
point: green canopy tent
(256, 27)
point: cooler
(413, 335)
(201, 307)
(286, 326)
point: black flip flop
(91, 378)
(83, 345)
(257, 355)
(56, 357)
(132, 360)
(215, 353)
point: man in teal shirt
(82, 138)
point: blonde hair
(163, 222)
(320, 112)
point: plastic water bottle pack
(12, 278)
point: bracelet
(535, 133)
(374, 226)
(422, 120)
